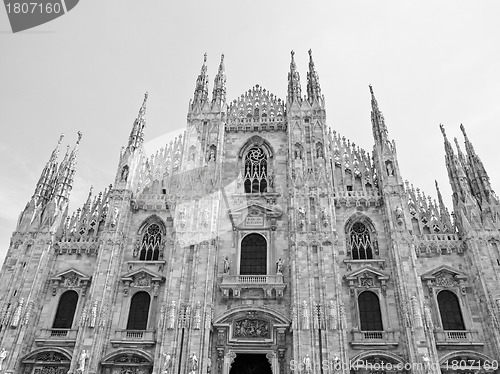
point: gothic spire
(136, 137)
(219, 91)
(45, 184)
(66, 172)
(443, 212)
(294, 91)
(201, 90)
(380, 133)
(478, 175)
(456, 173)
(313, 87)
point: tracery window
(255, 171)
(253, 255)
(150, 243)
(360, 242)
(66, 310)
(370, 317)
(449, 309)
(139, 311)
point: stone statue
(166, 363)
(81, 362)
(124, 174)
(194, 362)
(390, 169)
(307, 364)
(226, 265)
(279, 266)
(211, 156)
(3, 355)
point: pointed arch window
(449, 309)
(253, 259)
(139, 311)
(360, 242)
(151, 243)
(256, 171)
(370, 317)
(66, 310)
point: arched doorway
(54, 361)
(251, 363)
(132, 361)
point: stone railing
(369, 197)
(142, 337)
(457, 338)
(272, 285)
(374, 338)
(56, 336)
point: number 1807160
(25, 8)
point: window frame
(130, 308)
(268, 258)
(78, 297)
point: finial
(442, 130)
(222, 57)
(371, 88)
(205, 57)
(292, 53)
(79, 133)
(310, 53)
(60, 139)
(463, 129)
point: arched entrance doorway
(133, 361)
(47, 360)
(251, 363)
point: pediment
(71, 275)
(70, 278)
(367, 277)
(255, 215)
(142, 277)
(366, 272)
(256, 209)
(444, 271)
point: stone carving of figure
(226, 265)
(307, 364)
(166, 363)
(209, 365)
(427, 362)
(194, 362)
(124, 174)
(211, 155)
(302, 217)
(3, 355)
(114, 219)
(81, 362)
(390, 169)
(319, 151)
(279, 266)
(399, 215)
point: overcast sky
(429, 62)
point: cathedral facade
(260, 241)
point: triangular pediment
(253, 209)
(71, 273)
(444, 271)
(366, 272)
(141, 274)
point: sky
(429, 62)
